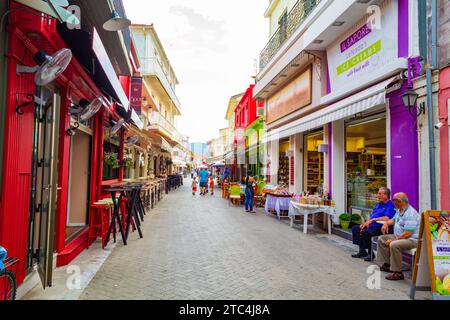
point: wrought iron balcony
(301, 10)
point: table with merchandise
(304, 209)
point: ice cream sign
(364, 50)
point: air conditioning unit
(260, 112)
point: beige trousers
(393, 255)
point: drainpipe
(429, 75)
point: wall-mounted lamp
(116, 22)
(410, 99)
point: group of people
(206, 180)
(396, 224)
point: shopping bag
(3, 254)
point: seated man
(406, 229)
(362, 234)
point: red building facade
(34, 219)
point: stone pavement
(204, 248)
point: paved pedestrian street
(204, 248)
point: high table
(298, 209)
(116, 215)
(277, 202)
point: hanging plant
(127, 162)
(111, 160)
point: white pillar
(338, 167)
(274, 161)
(296, 146)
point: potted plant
(344, 220)
(111, 160)
(355, 219)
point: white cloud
(212, 46)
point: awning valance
(360, 102)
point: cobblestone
(204, 248)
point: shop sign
(296, 95)
(136, 94)
(432, 265)
(364, 49)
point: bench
(406, 254)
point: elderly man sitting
(362, 234)
(406, 229)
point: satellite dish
(132, 140)
(116, 127)
(116, 22)
(51, 66)
(91, 108)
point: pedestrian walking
(211, 185)
(204, 174)
(249, 192)
(194, 186)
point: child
(194, 186)
(211, 185)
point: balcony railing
(152, 66)
(158, 122)
(301, 10)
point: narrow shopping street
(203, 248)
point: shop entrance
(79, 181)
(314, 163)
(44, 185)
(366, 161)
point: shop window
(283, 164)
(314, 163)
(366, 162)
(110, 173)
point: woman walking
(249, 192)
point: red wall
(444, 95)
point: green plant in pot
(111, 160)
(356, 219)
(344, 220)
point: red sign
(291, 171)
(136, 94)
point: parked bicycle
(8, 284)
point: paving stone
(203, 248)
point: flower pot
(345, 224)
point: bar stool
(99, 222)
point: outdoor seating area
(124, 207)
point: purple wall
(404, 149)
(330, 159)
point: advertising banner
(297, 94)
(370, 45)
(136, 94)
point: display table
(277, 202)
(298, 209)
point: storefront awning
(360, 102)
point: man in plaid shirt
(406, 230)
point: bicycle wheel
(7, 285)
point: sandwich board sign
(431, 270)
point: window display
(283, 165)
(314, 162)
(366, 162)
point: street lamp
(116, 22)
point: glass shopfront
(365, 161)
(283, 165)
(314, 163)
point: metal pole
(429, 75)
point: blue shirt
(408, 221)
(204, 176)
(382, 210)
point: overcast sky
(212, 46)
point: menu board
(432, 264)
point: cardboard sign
(432, 264)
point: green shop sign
(360, 57)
